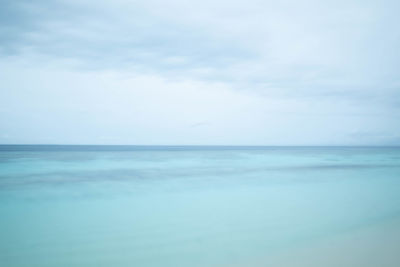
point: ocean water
(186, 206)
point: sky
(185, 72)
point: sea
(173, 206)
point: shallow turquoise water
(176, 206)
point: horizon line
(196, 145)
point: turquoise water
(185, 206)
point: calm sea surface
(186, 206)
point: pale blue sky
(200, 72)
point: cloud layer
(191, 72)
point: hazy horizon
(200, 146)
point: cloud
(108, 37)
(199, 124)
(254, 71)
(284, 44)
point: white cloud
(254, 72)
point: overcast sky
(252, 72)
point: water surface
(186, 206)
